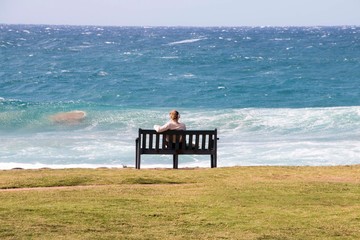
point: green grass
(222, 203)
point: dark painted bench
(195, 142)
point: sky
(181, 12)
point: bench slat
(157, 142)
(163, 141)
(183, 141)
(151, 141)
(144, 141)
(191, 141)
(197, 136)
(203, 142)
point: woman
(173, 124)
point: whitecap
(186, 41)
(281, 39)
(78, 48)
(102, 73)
(188, 75)
(169, 57)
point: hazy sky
(182, 12)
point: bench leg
(213, 161)
(137, 163)
(137, 154)
(175, 161)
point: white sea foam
(78, 48)
(102, 73)
(170, 57)
(189, 75)
(308, 136)
(186, 41)
(281, 39)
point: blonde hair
(174, 115)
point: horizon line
(181, 26)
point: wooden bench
(196, 142)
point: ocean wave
(186, 41)
(251, 136)
(169, 57)
(281, 121)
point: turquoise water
(278, 96)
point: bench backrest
(188, 141)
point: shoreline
(180, 168)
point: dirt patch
(49, 188)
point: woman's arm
(163, 128)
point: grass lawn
(221, 203)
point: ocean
(286, 96)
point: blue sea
(277, 95)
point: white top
(171, 125)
